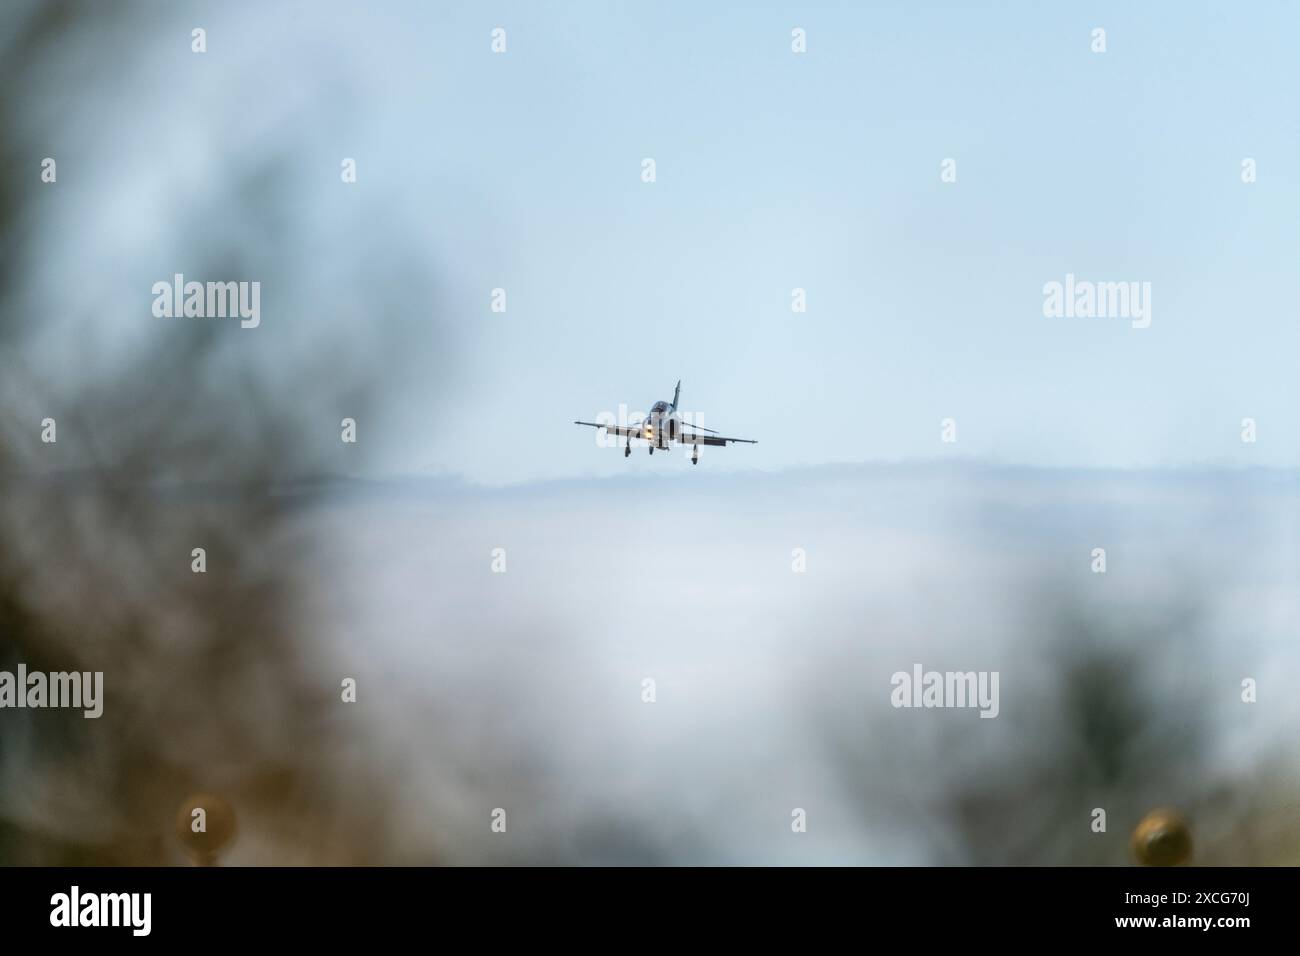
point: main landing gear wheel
(695, 455)
(627, 449)
(652, 449)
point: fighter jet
(663, 426)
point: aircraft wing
(695, 438)
(636, 431)
(685, 438)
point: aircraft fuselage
(662, 426)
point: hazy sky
(773, 686)
(822, 171)
(775, 171)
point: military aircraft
(663, 426)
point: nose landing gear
(695, 455)
(627, 449)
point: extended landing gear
(627, 449)
(652, 449)
(695, 455)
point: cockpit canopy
(659, 408)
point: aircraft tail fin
(677, 393)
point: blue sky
(775, 171)
(821, 171)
